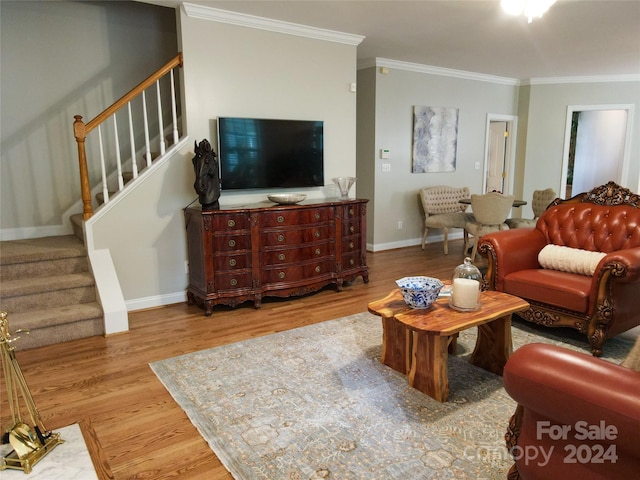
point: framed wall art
(435, 139)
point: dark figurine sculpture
(207, 184)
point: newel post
(80, 133)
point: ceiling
(574, 38)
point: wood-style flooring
(132, 426)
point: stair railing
(81, 130)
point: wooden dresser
(243, 253)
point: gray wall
(546, 121)
(228, 71)
(59, 59)
(392, 100)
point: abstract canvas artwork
(435, 139)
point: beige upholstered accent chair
(490, 211)
(540, 202)
(442, 209)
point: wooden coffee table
(416, 342)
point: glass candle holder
(466, 287)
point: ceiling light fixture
(528, 8)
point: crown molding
(590, 79)
(261, 23)
(446, 72)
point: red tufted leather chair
(606, 219)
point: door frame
(510, 150)
(626, 158)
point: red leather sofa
(578, 417)
(605, 220)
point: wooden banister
(81, 129)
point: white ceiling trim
(592, 79)
(447, 72)
(261, 23)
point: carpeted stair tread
(39, 249)
(30, 286)
(55, 316)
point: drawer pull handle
(231, 223)
(318, 251)
(233, 282)
(317, 234)
(280, 219)
(351, 212)
(352, 229)
(233, 262)
(318, 269)
(232, 243)
(281, 238)
(351, 245)
(281, 275)
(281, 257)
(352, 262)
(317, 215)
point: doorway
(597, 147)
(499, 154)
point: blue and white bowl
(419, 292)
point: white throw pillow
(567, 259)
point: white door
(497, 156)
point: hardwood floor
(133, 427)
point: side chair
(540, 202)
(442, 209)
(490, 212)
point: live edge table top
(416, 342)
(443, 320)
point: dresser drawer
(228, 243)
(296, 217)
(351, 228)
(232, 261)
(296, 236)
(298, 272)
(230, 221)
(351, 260)
(351, 244)
(233, 280)
(351, 212)
(292, 255)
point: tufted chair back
(597, 228)
(443, 199)
(491, 208)
(541, 200)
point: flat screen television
(270, 153)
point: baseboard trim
(379, 247)
(7, 234)
(156, 301)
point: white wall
(599, 151)
(396, 192)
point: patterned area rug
(317, 403)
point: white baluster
(174, 115)
(134, 161)
(146, 129)
(118, 159)
(105, 189)
(160, 125)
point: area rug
(316, 403)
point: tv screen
(268, 153)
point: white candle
(465, 293)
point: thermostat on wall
(385, 153)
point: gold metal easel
(30, 444)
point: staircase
(47, 288)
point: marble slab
(68, 461)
